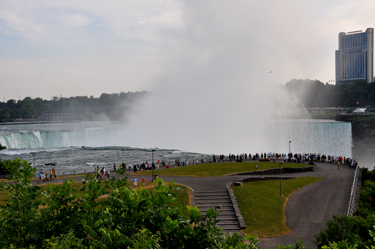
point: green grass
(182, 194)
(218, 169)
(182, 197)
(262, 207)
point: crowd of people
(43, 176)
(308, 158)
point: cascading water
(315, 136)
(108, 143)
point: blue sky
(88, 47)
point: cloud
(76, 20)
(294, 39)
(19, 22)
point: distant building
(355, 57)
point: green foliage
(313, 93)
(20, 220)
(31, 108)
(108, 215)
(298, 245)
(340, 245)
(64, 241)
(3, 169)
(368, 174)
(353, 229)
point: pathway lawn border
(218, 169)
(263, 208)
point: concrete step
(234, 218)
(223, 207)
(225, 223)
(226, 212)
(230, 227)
(229, 216)
(210, 192)
(205, 210)
(213, 202)
(211, 197)
(226, 217)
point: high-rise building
(355, 57)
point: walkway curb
(237, 211)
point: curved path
(306, 210)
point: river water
(85, 145)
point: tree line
(314, 93)
(29, 108)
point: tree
(105, 215)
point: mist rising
(220, 91)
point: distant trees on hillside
(314, 93)
(29, 108)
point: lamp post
(280, 176)
(289, 146)
(152, 163)
(34, 160)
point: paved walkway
(306, 210)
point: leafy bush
(353, 230)
(109, 216)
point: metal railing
(353, 193)
(70, 172)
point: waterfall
(93, 137)
(330, 138)
(315, 136)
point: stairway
(209, 199)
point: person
(98, 173)
(256, 166)
(135, 181)
(143, 181)
(338, 165)
(130, 167)
(40, 177)
(114, 167)
(51, 175)
(54, 173)
(108, 172)
(43, 177)
(46, 176)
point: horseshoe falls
(315, 136)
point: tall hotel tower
(355, 57)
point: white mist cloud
(216, 93)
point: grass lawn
(262, 207)
(218, 169)
(182, 194)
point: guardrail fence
(353, 193)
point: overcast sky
(89, 47)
